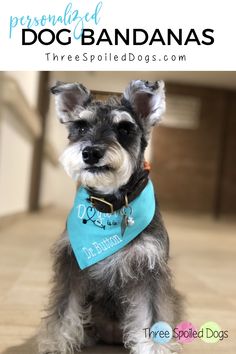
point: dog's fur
(115, 299)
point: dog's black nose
(92, 154)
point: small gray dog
(114, 298)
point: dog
(118, 282)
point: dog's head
(107, 139)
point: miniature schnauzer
(115, 298)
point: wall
(16, 151)
(28, 82)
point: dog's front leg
(140, 313)
(62, 330)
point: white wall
(15, 161)
(28, 82)
(16, 151)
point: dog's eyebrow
(86, 114)
(119, 116)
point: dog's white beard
(105, 182)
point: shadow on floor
(30, 347)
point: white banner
(117, 35)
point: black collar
(109, 203)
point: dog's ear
(147, 99)
(71, 98)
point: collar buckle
(102, 200)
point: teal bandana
(95, 236)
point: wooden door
(185, 162)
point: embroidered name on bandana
(95, 236)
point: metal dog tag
(127, 219)
(124, 224)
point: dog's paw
(169, 348)
(154, 348)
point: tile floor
(203, 259)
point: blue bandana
(95, 236)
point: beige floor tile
(203, 259)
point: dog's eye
(125, 128)
(82, 130)
(78, 129)
(81, 127)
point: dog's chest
(132, 262)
